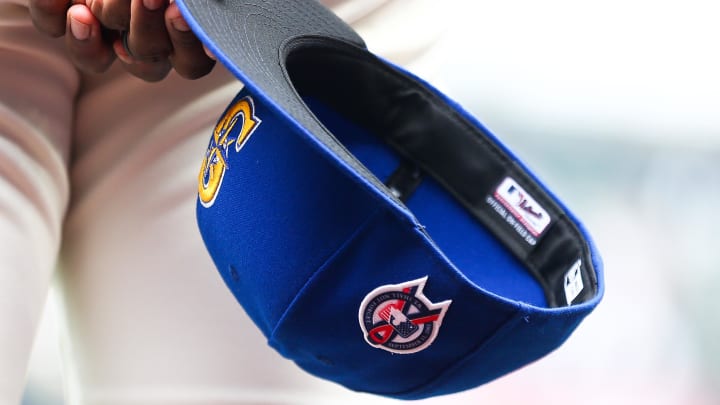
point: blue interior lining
(472, 248)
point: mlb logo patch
(523, 206)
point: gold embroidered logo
(215, 162)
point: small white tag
(522, 206)
(573, 282)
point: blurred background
(616, 105)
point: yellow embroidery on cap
(214, 163)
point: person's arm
(37, 89)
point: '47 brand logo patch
(400, 319)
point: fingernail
(80, 31)
(209, 54)
(180, 24)
(152, 5)
(121, 54)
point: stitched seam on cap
(331, 259)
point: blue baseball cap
(376, 232)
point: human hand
(150, 37)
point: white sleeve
(37, 89)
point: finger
(188, 57)
(84, 41)
(113, 14)
(148, 40)
(49, 16)
(150, 72)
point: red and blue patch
(399, 318)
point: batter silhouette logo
(231, 133)
(399, 318)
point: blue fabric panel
(472, 249)
(387, 250)
(530, 335)
(282, 210)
